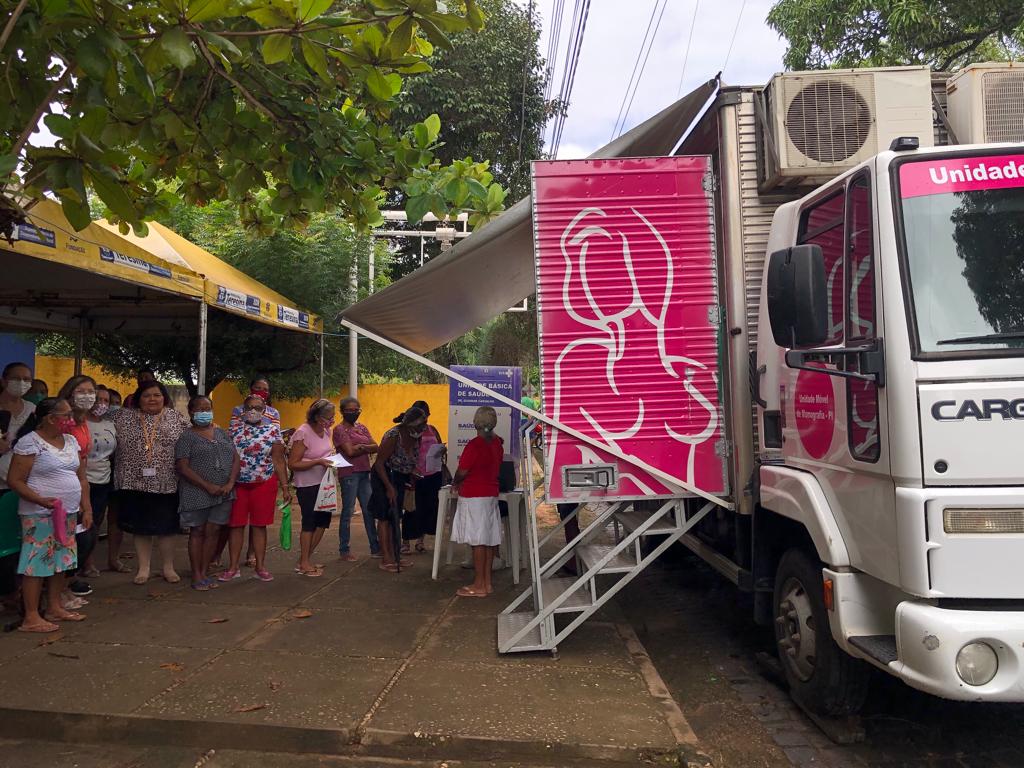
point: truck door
(836, 427)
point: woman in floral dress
(49, 477)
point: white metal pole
(201, 384)
(80, 345)
(353, 337)
(321, 364)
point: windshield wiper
(988, 338)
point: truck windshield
(963, 220)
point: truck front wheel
(821, 676)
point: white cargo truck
(867, 233)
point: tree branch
(256, 104)
(33, 121)
(9, 26)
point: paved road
(698, 631)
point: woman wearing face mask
(392, 471)
(263, 470)
(80, 391)
(307, 459)
(208, 465)
(47, 469)
(354, 441)
(427, 486)
(145, 476)
(38, 391)
(258, 387)
(14, 410)
(100, 474)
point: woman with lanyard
(145, 476)
(308, 460)
(208, 464)
(392, 471)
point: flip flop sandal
(420, 548)
(119, 568)
(388, 568)
(44, 628)
(201, 586)
(405, 550)
(406, 563)
(314, 574)
(469, 592)
(70, 616)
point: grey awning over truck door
(493, 269)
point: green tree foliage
(477, 87)
(281, 106)
(945, 34)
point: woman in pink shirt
(311, 445)
(354, 441)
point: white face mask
(85, 400)
(18, 387)
(253, 417)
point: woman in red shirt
(477, 519)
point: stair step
(509, 625)
(591, 554)
(633, 519)
(879, 647)
(579, 600)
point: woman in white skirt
(477, 520)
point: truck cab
(890, 363)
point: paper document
(435, 457)
(339, 461)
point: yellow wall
(56, 370)
(380, 403)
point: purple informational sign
(463, 401)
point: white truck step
(633, 519)
(579, 600)
(591, 554)
(509, 625)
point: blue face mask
(202, 418)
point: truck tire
(821, 676)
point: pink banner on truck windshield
(626, 298)
(961, 174)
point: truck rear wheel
(821, 676)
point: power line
(526, 70)
(636, 63)
(554, 35)
(689, 43)
(643, 66)
(734, 31)
(576, 43)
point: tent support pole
(201, 384)
(673, 483)
(321, 365)
(353, 338)
(80, 344)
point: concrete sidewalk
(356, 662)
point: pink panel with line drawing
(627, 318)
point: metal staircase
(528, 623)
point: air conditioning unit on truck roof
(986, 103)
(819, 124)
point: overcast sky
(615, 30)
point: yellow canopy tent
(54, 278)
(225, 287)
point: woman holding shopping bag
(308, 460)
(392, 471)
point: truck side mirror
(797, 294)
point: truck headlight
(977, 663)
(966, 520)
